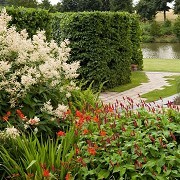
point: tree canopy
(177, 7)
(148, 8)
(121, 5)
(24, 3)
(97, 5)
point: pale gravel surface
(156, 81)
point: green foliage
(121, 5)
(137, 57)
(177, 7)
(31, 20)
(96, 5)
(166, 28)
(90, 5)
(69, 5)
(127, 144)
(154, 31)
(32, 157)
(161, 5)
(103, 50)
(155, 28)
(35, 81)
(146, 9)
(23, 3)
(176, 27)
(46, 4)
(167, 91)
(102, 43)
(79, 97)
(137, 78)
(3, 2)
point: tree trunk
(164, 15)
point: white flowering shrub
(34, 76)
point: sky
(54, 1)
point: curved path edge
(156, 81)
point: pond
(161, 50)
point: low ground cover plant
(128, 145)
(112, 142)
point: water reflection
(161, 50)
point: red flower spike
(133, 133)
(6, 117)
(8, 113)
(46, 173)
(108, 140)
(151, 138)
(172, 135)
(20, 114)
(96, 119)
(30, 175)
(123, 128)
(61, 133)
(68, 176)
(15, 175)
(68, 112)
(79, 114)
(77, 150)
(85, 131)
(43, 166)
(164, 168)
(80, 160)
(102, 133)
(92, 151)
(135, 123)
(53, 168)
(88, 118)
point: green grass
(159, 65)
(162, 65)
(166, 92)
(137, 78)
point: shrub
(166, 28)
(103, 49)
(102, 43)
(116, 142)
(155, 28)
(137, 57)
(35, 80)
(176, 27)
(31, 20)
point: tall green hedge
(102, 43)
(31, 19)
(105, 43)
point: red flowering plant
(118, 142)
(37, 125)
(32, 158)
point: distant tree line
(75, 5)
(147, 9)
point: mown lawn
(162, 65)
(137, 78)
